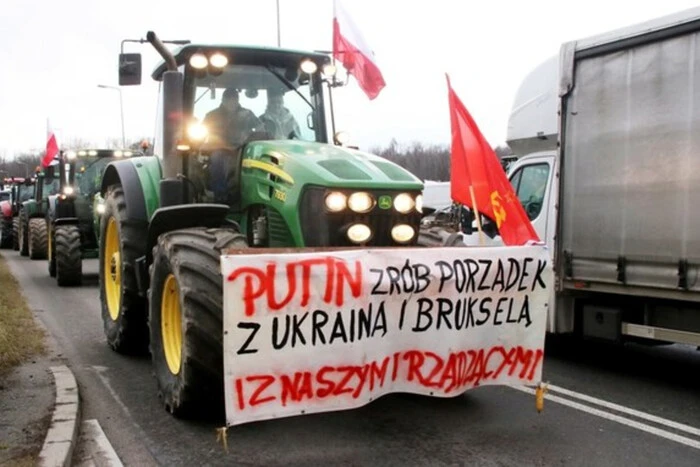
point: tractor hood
(301, 162)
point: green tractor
(32, 230)
(167, 219)
(73, 215)
(20, 190)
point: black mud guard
(124, 173)
(178, 217)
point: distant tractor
(32, 213)
(73, 215)
(16, 190)
(167, 219)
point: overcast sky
(54, 54)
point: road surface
(606, 406)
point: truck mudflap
(319, 330)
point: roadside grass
(20, 336)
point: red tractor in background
(20, 189)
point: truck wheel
(51, 251)
(186, 320)
(69, 257)
(23, 236)
(124, 312)
(37, 238)
(15, 233)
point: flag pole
(476, 215)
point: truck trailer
(608, 139)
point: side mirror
(129, 69)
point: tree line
(425, 161)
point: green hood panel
(331, 166)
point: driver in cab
(230, 124)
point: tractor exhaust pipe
(162, 50)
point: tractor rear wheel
(122, 241)
(15, 233)
(23, 235)
(186, 319)
(37, 238)
(6, 233)
(69, 257)
(51, 251)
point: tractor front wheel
(69, 257)
(23, 235)
(15, 233)
(51, 251)
(37, 238)
(186, 319)
(124, 311)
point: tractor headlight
(218, 60)
(92, 153)
(336, 201)
(359, 233)
(361, 202)
(402, 233)
(196, 131)
(308, 66)
(100, 208)
(403, 203)
(71, 155)
(329, 70)
(68, 190)
(128, 153)
(199, 61)
(117, 154)
(419, 203)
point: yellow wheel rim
(171, 324)
(112, 269)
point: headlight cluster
(362, 202)
(200, 61)
(68, 190)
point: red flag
(350, 49)
(51, 150)
(474, 165)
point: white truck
(608, 135)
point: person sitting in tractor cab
(279, 121)
(230, 124)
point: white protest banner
(332, 330)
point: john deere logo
(384, 202)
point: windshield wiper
(289, 85)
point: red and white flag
(350, 49)
(51, 147)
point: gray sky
(54, 54)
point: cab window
(529, 183)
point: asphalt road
(606, 406)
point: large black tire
(126, 327)
(15, 233)
(23, 235)
(69, 257)
(6, 233)
(51, 253)
(192, 258)
(37, 238)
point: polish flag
(350, 49)
(51, 150)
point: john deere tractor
(32, 213)
(167, 219)
(20, 190)
(73, 215)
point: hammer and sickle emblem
(498, 211)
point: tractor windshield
(26, 192)
(51, 186)
(279, 102)
(88, 174)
